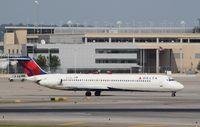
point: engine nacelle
(50, 82)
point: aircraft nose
(179, 86)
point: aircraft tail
(30, 67)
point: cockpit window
(170, 79)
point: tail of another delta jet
(30, 67)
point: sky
(101, 12)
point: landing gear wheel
(97, 93)
(173, 94)
(88, 93)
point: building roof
(81, 30)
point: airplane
(99, 82)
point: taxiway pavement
(26, 102)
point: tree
(54, 61)
(198, 66)
(42, 62)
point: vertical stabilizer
(30, 67)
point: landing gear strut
(88, 93)
(97, 93)
(173, 94)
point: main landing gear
(96, 93)
(88, 93)
(173, 94)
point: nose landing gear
(173, 94)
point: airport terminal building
(109, 49)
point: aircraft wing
(119, 89)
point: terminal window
(121, 39)
(194, 40)
(116, 51)
(169, 40)
(197, 55)
(115, 61)
(98, 40)
(40, 31)
(46, 50)
(148, 40)
(185, 40)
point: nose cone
(178, 86)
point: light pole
(181, 60)
(8, 63)
(75, 62)
(69, 23)
(34, 48)
(191, 63)
(199, 21)
(133, 23)
(151, 24)
(49, 62)
(1, 39)
(119, 23)
(37, 13)
(183, 24)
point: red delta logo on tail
(30, 67)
